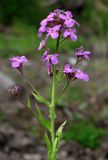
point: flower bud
(15, 90)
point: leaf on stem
(58, 136)
(41, 99)
(45, 123)
(47, 141)
(49, 145)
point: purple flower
(48, 19)
(67, 17)
(41, 45)
(70, 33)
(75, 73)
(81, 75)
(52, 59)
(44, 56)
(58, 22)
(81, 53)
(18, 61)
(41, 30)
(49, 68)
(54, 32)
(43, 23)
(68, 69)
(51, 16)
(57, 11)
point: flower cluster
(58, 23)
(71, 72)
(68, 70)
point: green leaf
(28, 103)
(59, 131)
(58, 136)
(45, 123)
(49, 145)
(47, 141)
(41, 99)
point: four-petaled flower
(81, 75)
(52, 59)
(54, 32)
(18, 61)
(67, 17)
(70, 33)
(80, 53)
(68, 69)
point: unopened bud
(15, 90)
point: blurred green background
(84, 105)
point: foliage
(85, 133)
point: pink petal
(54, 35)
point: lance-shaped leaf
(45, 123)
(40, 99)
(58, 136)
(49, 145)
(47, 141)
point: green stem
(25, 105)
(61, 93)
(58, 43)
(62, 40)
(29, 83)
(52, 112)
(52, 109)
